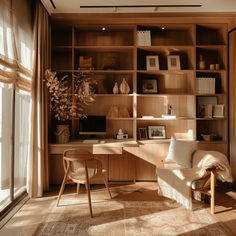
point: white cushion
(181, 152)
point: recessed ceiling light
(103, 28)
(163, 27)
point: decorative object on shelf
(205, 85)
(217, 66)
(62, 134)
(173, 62)
(123, 112)
(169, 110)
(61, 94)
(218, 111)
(156, 132)
(115, 88)
(150, 86)
(142, 133)
(144, 38)
(205, 106)
(152, 63)
(113, 112)
(212, 66)
(202, 64)
(85, 63)
(209, 137)
(124, 87)
(121, 135)
(118, 112)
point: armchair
(191, 170)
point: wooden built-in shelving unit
(116, 55)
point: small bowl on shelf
(208, 137)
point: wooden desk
(111, 153)
(125, 160)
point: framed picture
(156, 132)
(150, 86)
(218, 111)
(173, 62)
(152, 63)
(142, 133)
(205, 110)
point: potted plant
(67, 104)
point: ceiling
(117, 6)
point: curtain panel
(38, 180)
(16, 46)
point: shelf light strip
(163, 5)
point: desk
(125, 160)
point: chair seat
(79, 175)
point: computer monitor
(92, 125)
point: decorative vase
(62, 134)
(202, 64)
(124, 87)
(116, 88)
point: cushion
(181, 152)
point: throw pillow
(181, 152)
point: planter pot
(62, 134)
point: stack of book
(205, 85)
(144, 37)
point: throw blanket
(175, 182)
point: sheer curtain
(24, 56)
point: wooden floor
(225, 198)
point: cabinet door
(121, 167)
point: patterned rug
(130, 218)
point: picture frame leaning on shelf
(173, 62)
(157, 132)
(142, 133)
(149, 86)
(152, 63)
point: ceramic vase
(62, 134)
(124, 87)
(116, 88)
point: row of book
(205, 85)
(144, 38)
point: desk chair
(80, 167)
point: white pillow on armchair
(181, 152)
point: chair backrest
(81, 159)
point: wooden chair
(81, 167)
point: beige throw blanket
(175, 182)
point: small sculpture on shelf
(116, 88)
(124, 87)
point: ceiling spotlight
(103, 28)
(163, 27)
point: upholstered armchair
(187, 169)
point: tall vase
(62, 134)
(116, 88)
(124, 87)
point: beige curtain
(38, 180)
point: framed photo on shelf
(173, 62)
(150, 86)
(218, 111)
(152, 63)
(142, 133)
(156, 132)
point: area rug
(130, 218)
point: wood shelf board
(114, 95)
(163, 95)
(166, 47)
(105, 48)
(213, 118)
(162, 72)
(210, 95)
(106, 71)
(167, 119)
(120, 118)
(212, 142)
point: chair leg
(78, 186)
(63, 185)
(212, 192)
(88, 191)
(106, 184)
